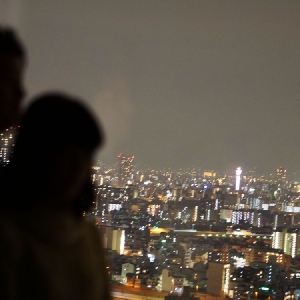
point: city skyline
(236, 236)
(210, 84)
(253, 171)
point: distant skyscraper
(7, 142)
(125, 169)
(238, 173)
(281, 177)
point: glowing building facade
(292, 243)
(265, 255)
(125, 169)
(288, 241)
(218, 276)
(246, 216)
(281, 175)
(238, 173)
(115, 240)
(278, 239)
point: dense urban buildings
(188, 233)
(233, 235)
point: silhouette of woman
(48, 187)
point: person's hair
(10, 44)
(55, 119)
(52, 121)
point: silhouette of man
(12, 61)
(15, 242)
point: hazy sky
(211, 84)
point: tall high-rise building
(292, 242)
(218, 278)
(114, 239)
(281, 177)
(278, 239)
(125, 169)
(7, 142)
(238, 173)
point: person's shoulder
(6, 199)
(10, 235)
(91, 229)
(7, 222)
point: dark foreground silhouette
(48, 250)
(12, 62)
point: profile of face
(11, 90)
(53, 152)
(71, 168)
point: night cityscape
(189, 234)
(234, 235)
(196, 186)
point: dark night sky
(211, 84)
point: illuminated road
(129, 296)
(129, 293)
(242, 234)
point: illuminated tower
(238, 173)
(125, 169)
